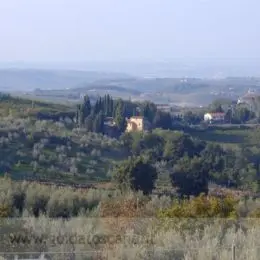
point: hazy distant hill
(108, 88)
(71, 85)
(92, 90)
(179, 91)
(29, 79)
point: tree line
(92, 116)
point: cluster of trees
(91, 116)
(135, 174)
(234, 114)
(52, 151)
(49, 149)
(191, 164)
(35, 199)
(39, 199)
(57, 116)
(4, 96)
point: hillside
(63, 85)
(43, 141)
(30, 79)
(51, 170)
(51, 150)
(178, 91)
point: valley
(71, 86)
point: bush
(126, 207)
(135, 174)
(202, 207)
(5, 211)
(190, 176)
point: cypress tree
(89, 123)
(111, 107)
(98, 123)
(86, 107)
(119, 116)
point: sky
(129, 30)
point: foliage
(5, 211)
(135, 174)
(119, 116)
(55, 149)
(242, 115)
(190, 176)
(50, 200)
(192, 118)
(88, 115)
(162, 120)
(179, 144)
(124, 207)
(216, 106)
(202, 207)
(149, 111)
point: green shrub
(202, 207)
(5, 211)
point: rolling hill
(30, 79)
(69, 85)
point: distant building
(137, 124)
(214, 117)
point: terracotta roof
(217, 114)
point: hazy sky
(114, 30)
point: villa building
(137, 124)
(214, 117)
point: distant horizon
(175, 68)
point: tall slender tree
(98, 123)
(86, 106)
(119, 116)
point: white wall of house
(214, 117)
(208, 117)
